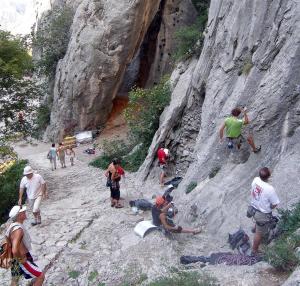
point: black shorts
(115, 193)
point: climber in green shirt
(233, 127)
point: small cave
(138, 70)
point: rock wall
(106, 37)
(251, 57)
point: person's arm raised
(246, 118)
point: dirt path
(83, 241)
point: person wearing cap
(263, 199)
(22, 263)
(166, 218)
(162, 155)
(36, 190)
(160, 205)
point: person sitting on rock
(233, 127)
(163, 213)
(167, 220)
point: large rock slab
(251, 57)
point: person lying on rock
(22, 264)
(113, 177)
(163, 213)
(233, 127)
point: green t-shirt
(233, 127)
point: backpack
(6, 253)
(240, 241)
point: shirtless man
(22, 263)
(114, 182)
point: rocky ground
(83, 241)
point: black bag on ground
(251, 211)
(240, 241)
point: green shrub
(144, 109)
(130, 161)
(9, 188)
(190, 39)
(52, 39)
(281, 253)
(111, 149)
(142, 116)
(201, 6)
(93, 275)
(42, 118)
(214, 172)
(192, 185)
(186, 279)
(74, 274)
(247, 67)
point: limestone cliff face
(110, 41)
(251, 57)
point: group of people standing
(60, 152)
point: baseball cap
(159, 201)
(27, 170)
(15, 210)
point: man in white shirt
(264, 199)
(36, 189)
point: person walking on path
(263, 199)
(22, 263)
(113, 181)
(162, 155)
(52, 157)
(71, 153)
(233, 127)
(36, 190)
(61, 153)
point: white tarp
(84, 137)
(144, 227)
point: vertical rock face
(105, 45)
(100, 47)
(251, 57)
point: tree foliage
(18, 92)
(51, 40)
(190, 39)
(15, 61)
(144, 109)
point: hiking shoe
(257, 150)
(34, 223)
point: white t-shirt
(263, 196)
(33, 186)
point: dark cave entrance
(138, 70)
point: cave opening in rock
(138, 70)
